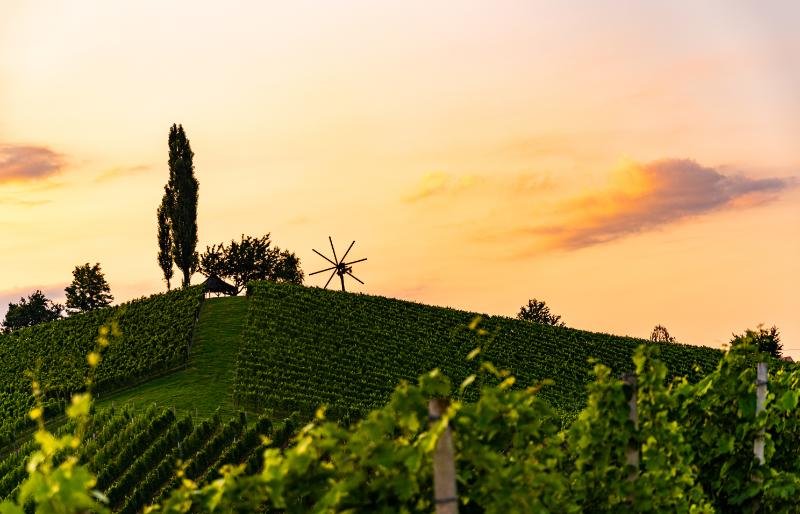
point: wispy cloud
(643, 197)
(438, 184)
(20, 163)
(122, 171)
(19, 202)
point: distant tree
(660, 334)
(767, 340)
(287, 268)
(252, 258)
(89, 289)
(27, 313)
(182, 194)
(165, 238)
(213, 262)
(539, 312)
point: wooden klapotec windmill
(339, 266)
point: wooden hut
(216, 286)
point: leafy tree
(252, 258)
(287, 268)
(539, 312)
(165, 238)
(89, 289)
(660, 334)
(182, 193)
(27, 313)
(767, 340)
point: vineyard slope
(304, 347)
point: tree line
(88, 291)
(251, 258)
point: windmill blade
(359, 260)
(355, 277)
(348, 251)
(334, 250)
(324, 257)
(329, 280)
(322, 270)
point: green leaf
(466, 383)
(788, 401)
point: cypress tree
(183, 188)
(165, 237)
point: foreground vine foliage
(694, 444)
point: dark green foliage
(766, 340)
(252, 258)
(208, 455)
(89, 290)
(133, 446)
(37, 308)
(539, 312)
(349, 351)
(182, 194)
(147, 459)
(164, 235)
(156, 333)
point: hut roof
(214, 284)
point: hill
(171, 386)
(304, 347)
(154, 338)
(204, 384)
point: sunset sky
(630, 163)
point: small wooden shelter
(217, 286)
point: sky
(629, 163)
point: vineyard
(643, 443)
(136, 455)
(540, 419)
(305, 347)
(154, 337)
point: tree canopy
(768, 340)
(164, 236)
(660, 334)
(539, 312)
(252, 258)
(88, 290)
(37, 308)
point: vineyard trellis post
(444, 468)
(632, 452)
(761, 397)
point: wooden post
(632, 452)
(761, 396)
(444, 467)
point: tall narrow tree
(183, 187)
(165, 238)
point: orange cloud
(439, 183)
(122, 171)
(28, 163)
(643, 197)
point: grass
(206, 383)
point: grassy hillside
(205, 383)
(304, 347)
